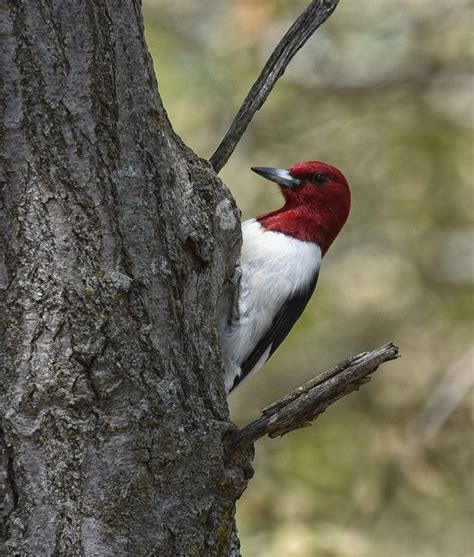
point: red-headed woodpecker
(280, 261)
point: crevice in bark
(8, 489)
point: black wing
(282, 323)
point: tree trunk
(117, 242)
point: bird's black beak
(279, 175)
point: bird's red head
(317, 202)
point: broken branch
(303, 405)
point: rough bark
(116, 242)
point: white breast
(274, 267)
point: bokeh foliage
(384, 91)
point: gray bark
(116, 243)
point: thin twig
(301, 30)
(303, 405)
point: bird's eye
(319, 178)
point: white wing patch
(274, 268)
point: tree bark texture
(116, 243)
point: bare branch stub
(303, 405)
(313, 16)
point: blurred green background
(384, 91)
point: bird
(279, 264)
